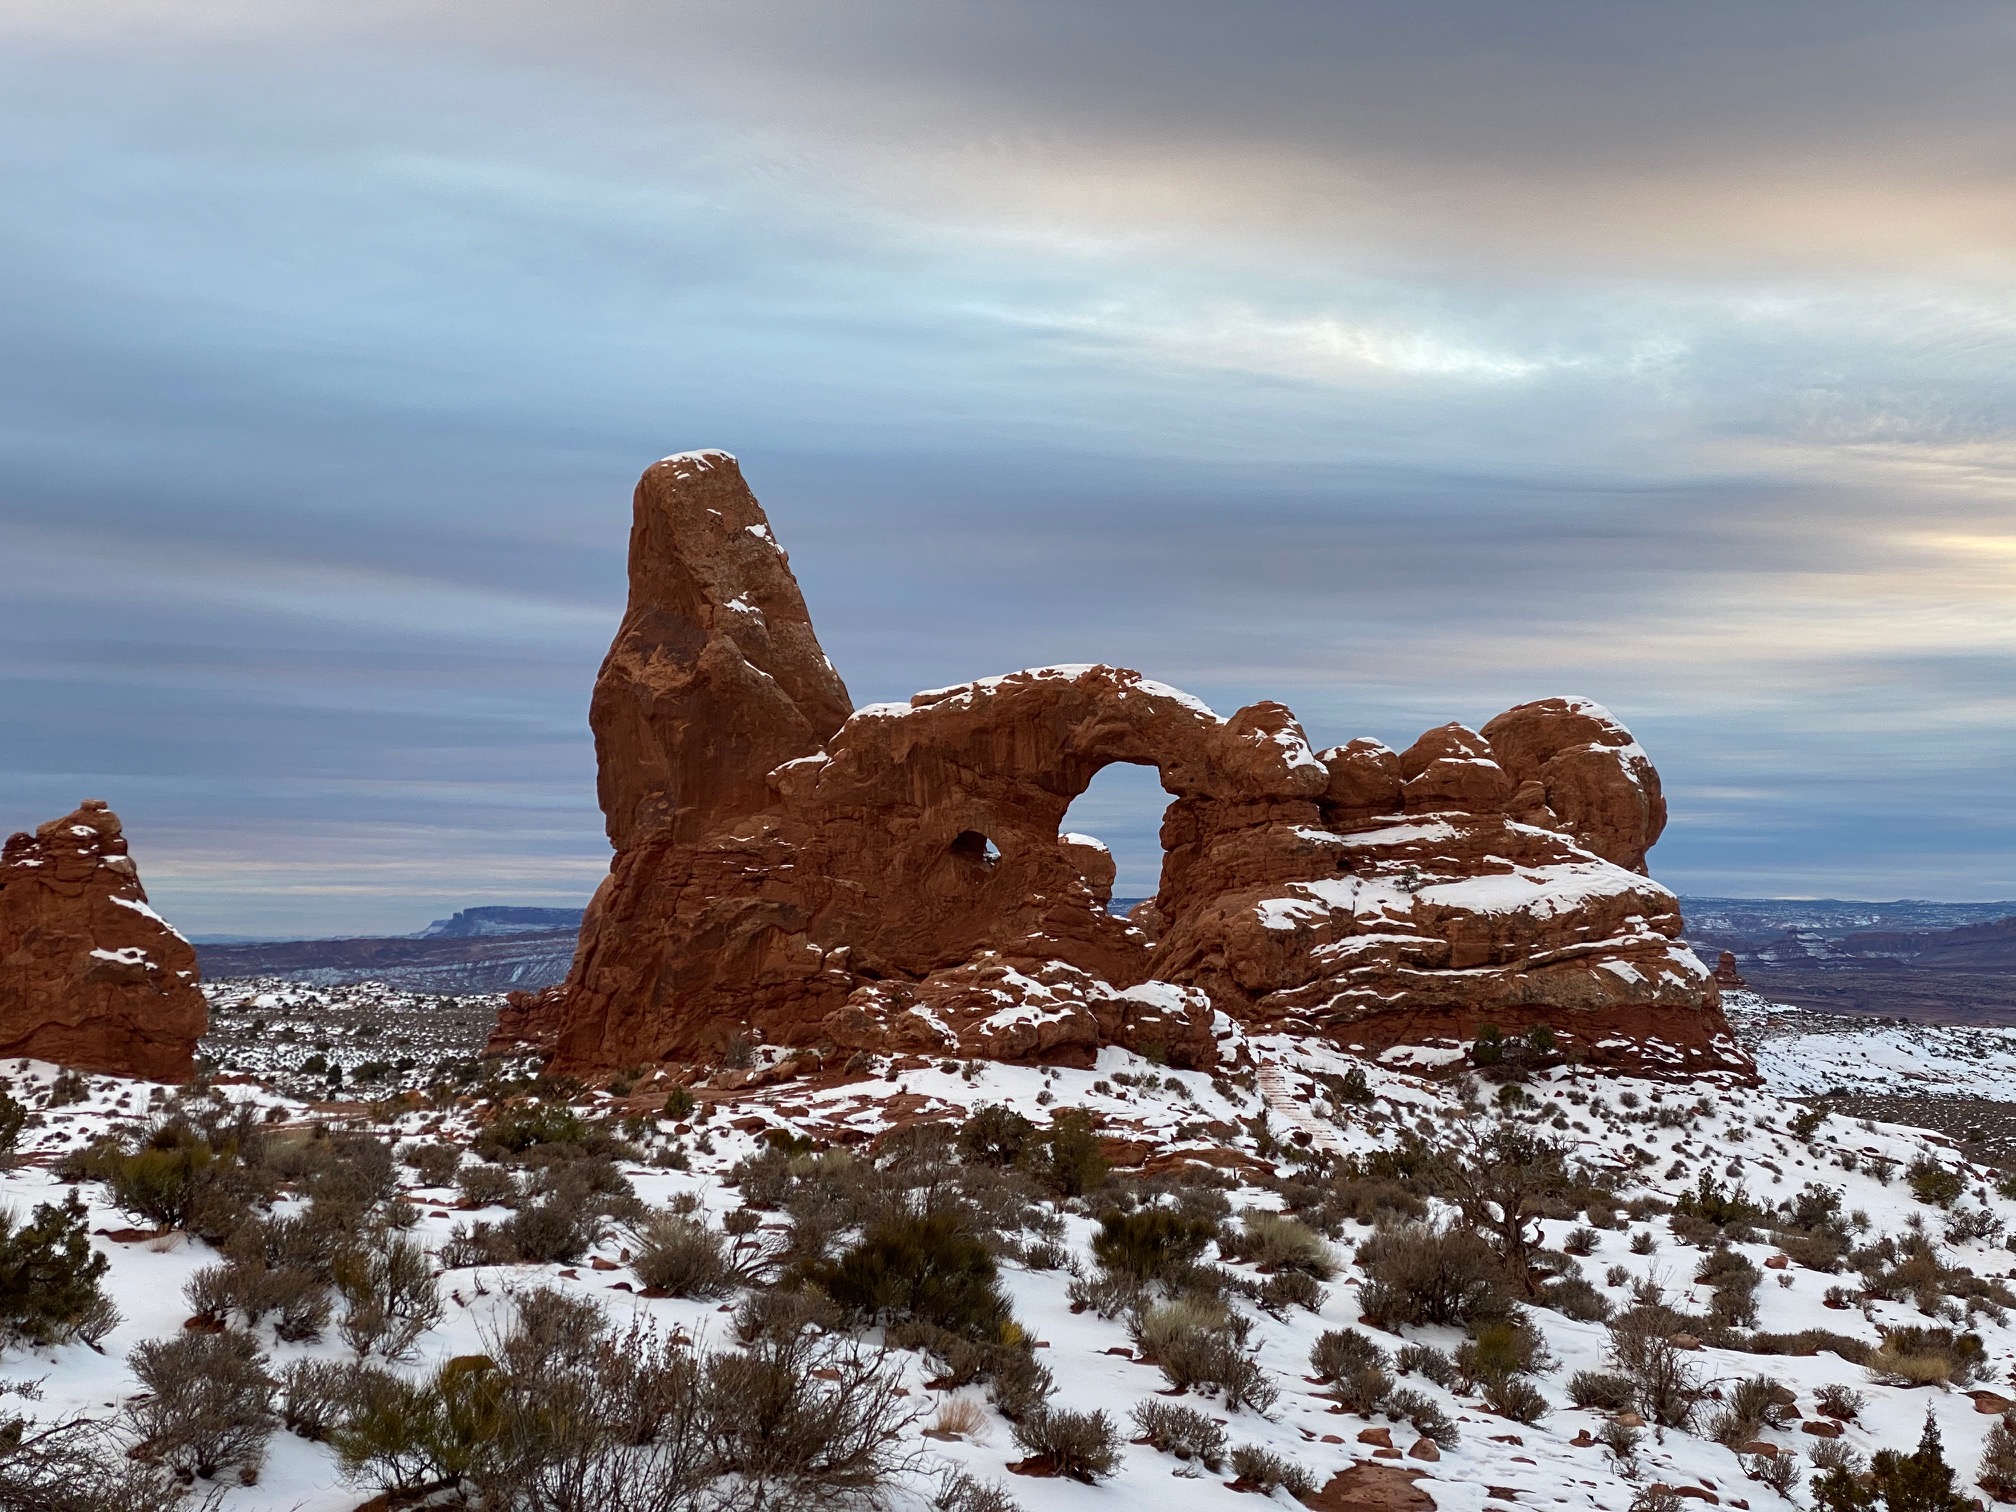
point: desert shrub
(1928, 1357)
(1838, 1401)
(436, 1164)
(960, 1491)
(1920, 1481)
(1018, 1384)
(1202, 1346)
(212, 1293)
(1070, 1163)
(208, 1403)
(295, 1298)
(1423, 1413)
(1515, 1397)
(14, 1117)
(782, 1314)
(161, 1182)
(1620, 1441)
(1574, 1297)
(1338, 1352)
(344, 1175)
(519, 1126)
(50, 1280)
(631, 1422)
(996, 1136)
(1933, 1183)
(1711, 1202)
(1503, 1347)
(557, 1229)
(1370, 1199)
(1778, 1471)
(1752, 1405)
(487, 1186)
(1417, 1273)
(1811, 1341)
(1426, 1360)
(1105, 1293)
(1581, 1241)
(404, 1435)
(75, 1464)
(1286, 1289)
(1082, 1445)
(1602, 1390)
(1258, 1469)
(315, 1395)
(1965, 1225)
(1821, 1252)
(1152, 1244)
(1364, 1389)
(1274, 1241)
(682, 1257)
(1997, 1474)
(392, 1297)
(1182, 1431)
(308, 1242)
(1664, 1387)
(927, 1266)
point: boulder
(90, 976)
(893, 879)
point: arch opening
(1122, 808)
(975, 849)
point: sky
(1399, 362)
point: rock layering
(892, 879)
(90, 976)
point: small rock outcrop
(1726, 974)
(90, 976)
(893, 879)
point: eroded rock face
(893, 879)
(90, 976)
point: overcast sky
(1402, 362)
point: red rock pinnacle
(90, 976)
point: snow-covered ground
(1658, 1138)
(1805, 1054)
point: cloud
(1402, 364)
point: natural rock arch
(892, 879)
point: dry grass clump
(1928, 1357)
(1276, 1242)
(961, 1417)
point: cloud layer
(1402, 364)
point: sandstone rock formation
(1726, 974)
(90, 976)
(893, 879)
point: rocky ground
(1292, 1127)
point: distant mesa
(794, 871)
(90, 975)
(479, 923)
